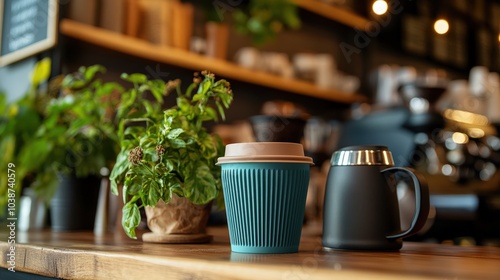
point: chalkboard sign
(26, 28)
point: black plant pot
(267, 128)
(74, 204)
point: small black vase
(267, 128)
(74, 204)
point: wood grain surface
(82, 255)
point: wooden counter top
(82, 255)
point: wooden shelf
(334, 13)
(173, 56)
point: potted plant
(64, 132)
(263, 20)
(69, 138)
(18, 121)
(168, 165)
(78, 139)
(93, 124)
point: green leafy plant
(214, 11)
(263, 20)
(173, 153)
(78, 133)
(18, 122)
(63, 126)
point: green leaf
(41, 72)
(198, 97)
(183, 104)
(142, 170)
(174, 133)
(136, 78)
(203, 89)
(221, 110)
(255, 25)
(211, 114)
(131, 218)
(150, 154)
(154, 193)
(119, 170)
(128, 100)
(89, 72)
(167, 196)
(33, 154)
(160, 168)
(27, 121)
(3, 102)
(72, 82)
(143, 88)
(114, 187)
(190, 89)
(147, 142)
(200, 185)
(77, 125)
(226, 99)
(7, 148)
(178, 143)
(132, 185)
(108, 88)
(157, 88)
(290, 17)
(170, 164)
(176, 188)
(61, 104)
(125, 190)
(149, 108)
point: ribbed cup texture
(265, 205)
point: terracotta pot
(182, 24)
(217, 39)
(179, 221)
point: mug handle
(422, 204)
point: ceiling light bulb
(380, 7)
(441, 26)
(460, 138)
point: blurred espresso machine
(441, 129)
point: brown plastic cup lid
(265, 152)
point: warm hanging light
(380, 7)
(441, 26)
(460, 138)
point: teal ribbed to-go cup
(265, 202)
